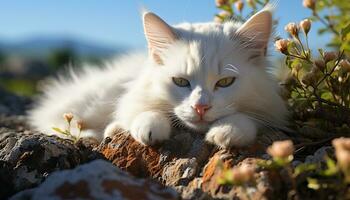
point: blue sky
(115, 23)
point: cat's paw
(111, 129)
(150, 127)
(235, 130)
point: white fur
(136, 93)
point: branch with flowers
(318, 86)
(329, 179)
(233, 9)
(67, 131)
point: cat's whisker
(264, 120)
(232, 68)
(202, 60)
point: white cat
(209, 77)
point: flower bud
(345, 65)
(282, 46)
(218, 19)
(221, 16)
(309, 4)
(68, 117)
(221, 2)
(239, 5)
(342, 152)
(305, 25)
(80, 125)
(243, 174)
(329, 56)
(320, 64)
(292, 29)
(251, 3)
(281, 149)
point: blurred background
(38, 38)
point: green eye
(181, 82)
(225, 82)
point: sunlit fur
(138, 95)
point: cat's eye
(225, 82)
(181, 82)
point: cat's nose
(201, 109)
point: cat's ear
(256, 31)
(159, 35)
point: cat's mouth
(198, 125)
(200, 121)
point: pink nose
(201, 109)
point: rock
(320, 154)
(14, 122)
(212, 172)
(191, 169)
(263, 188)
(158, 162)
(11, 104)
(193, 190)
(97, 180)
(185, 163)
(32, 156)
(6, 185)
(180, 171)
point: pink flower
(281, 149)
(282, 45)
(305, 25)
(292, 29)
(342, 152)
(68, 117)
(221, 2)
(309, 4)
(239, 5)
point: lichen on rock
(97, 180)
(32, 156)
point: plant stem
(300, 57)
(331, 103)
(330, 26)
(332, 70)
(301, 45)
(244, 189)
(307, 43)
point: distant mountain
(42, 46)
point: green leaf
(332, 168)
(266, 164)
(313, 183)
(226, 177)
(322, 30)
(60, 131)
(282, 162)
(345, 31)
(327, 96)
(227, 8)
(321, 51)
(305, 167)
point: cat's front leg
(150, 127)
(112, 129)
(233, 130)
(147, 128)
